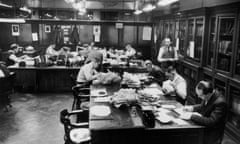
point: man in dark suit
(212, 112)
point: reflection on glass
(171, 30)
(182, 35)
(165, 30)
(235, 107)
(238, 55)
(190, 48)
(220, 86)
(224, 51)
(198, 38)
(212, 40)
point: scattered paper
(147, 33)
(35, 36)
(180, 122)
(96, 38)
(168, 86)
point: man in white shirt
(130, 51)
(175, 85)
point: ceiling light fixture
(136, 7)
(138, 12)
(12, 20)
(166, 2)
(149, 7)
(25, 9)
(5, 5)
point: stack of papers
(152, 91)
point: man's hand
(188, 108)
(186, 116)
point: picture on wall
(15, 30)
(47, 28)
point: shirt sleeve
(181, 89)
(88, 73)
(1, 74)
(14, 58)
(160, 54)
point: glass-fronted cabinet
(199, 31)
(234, 115)
(212, 40)
(220, 86)
(172, 30)
(225, 43)
(190, 38)
(165, 29)
(195, 38)
(182, 36)
(237, 64)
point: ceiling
(90, 4)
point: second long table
(124, 127)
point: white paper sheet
(147, 33)
(35, 36)
(96, 38)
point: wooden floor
(34, 119)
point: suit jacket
(213, 117)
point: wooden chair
(75, 132)
(6, 89)
(81, 93)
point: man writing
(212, 112)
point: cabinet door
(182, 35)
(225, 43)
(234, 115)
(190, 35)
(172, 30)
(237, 64)
(199, 31)
(212, 40)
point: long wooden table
(44, 79)
(122, 127)
(54, 78)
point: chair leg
(73, 105)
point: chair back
(67, 119)
(7, 83)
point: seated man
(53, 50)
(213, 110)
(130, 51)
(16, 55)
(175, 85)
(88, 72)
(155, 72)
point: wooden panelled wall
(131, 33)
